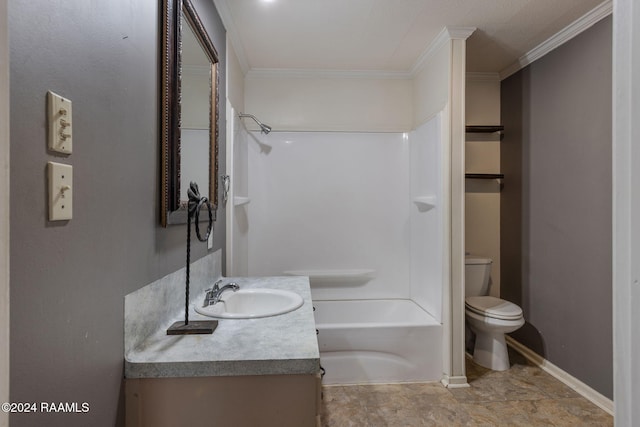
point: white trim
(445, 159)
(576, 27)
(445, 35)
(455, 382)
(626, 205)
(457, 95)
(460, 33)
(230, 206)
(578, 386)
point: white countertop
(284, 344)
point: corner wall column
(454, 373)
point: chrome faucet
(214, 294)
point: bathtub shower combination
(377, 341)
(361, 215)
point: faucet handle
(214, 288)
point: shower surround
(361, 215)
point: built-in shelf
(239, 201)
(484, 129)
(484, 175)
(484, 133)
(343, 274)
(425, 203)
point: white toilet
(488, 317)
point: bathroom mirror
(189, 110)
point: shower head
(263, 128)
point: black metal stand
(201, 326)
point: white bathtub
(378, 341)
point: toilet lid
(493, 307)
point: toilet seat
(493, 307)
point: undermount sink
(252, 304)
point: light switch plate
(60, 179)
(60, 129)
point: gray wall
(69, 279)
(556, 205)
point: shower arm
(263, 128)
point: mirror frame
(172, 211)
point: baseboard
(455, 382)
(578, 386)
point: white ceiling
(388, 35)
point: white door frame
(626, 208)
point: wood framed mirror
(189, 110)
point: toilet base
(491, 352)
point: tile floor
(522, 396)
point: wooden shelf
(484, 129)
(484, 175)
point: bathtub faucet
(214, 294)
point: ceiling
(388, 35)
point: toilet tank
(477, 271)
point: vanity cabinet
(259, 372)
(251, 401)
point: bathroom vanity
(249, 372)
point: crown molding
(460, 33)
(576, 27)
(445, 35)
